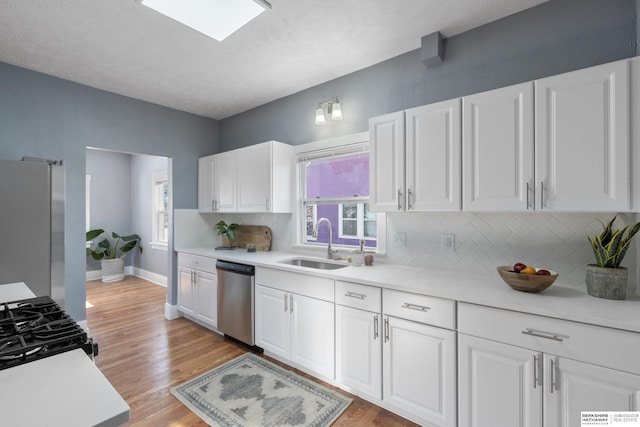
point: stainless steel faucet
(330, 251)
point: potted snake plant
(111, 255)
(606, 278)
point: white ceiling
(123, 47)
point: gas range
(36, 328)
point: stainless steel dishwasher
(236, 287)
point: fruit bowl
(526, 282)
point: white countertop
(561, 301)
(62, 390)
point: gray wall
(43, 116)
(555, 37)
(142, 169)
(110, 205)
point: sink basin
(312, 263)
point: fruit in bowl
(527, 279)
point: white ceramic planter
(112, 270)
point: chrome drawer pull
(375, 327)
(552, 376)
(386, 329)
(355, 295)
(415, 307)
(543, 334)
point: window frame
(158, 178)
(315, 150)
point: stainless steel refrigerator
(32, 225)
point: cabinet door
(359, 351)
(254, 178)
(433, 157)
(498, 152)
(313, 334)
(206, 291)
(582, 139)
(419, 371)
(497, 386)
(186, 299)
(225, 168)
(205, 184)
(272, 320)
(386, 163)
(572, 387)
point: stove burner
(35, 328)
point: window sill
(159, 246)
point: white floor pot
(609, 283)
(112, 270)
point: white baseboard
(132, 271)
(171, 312)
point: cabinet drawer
(598, 345)
(197, 262)
(359, 296)
(302, 284)
(420, 308)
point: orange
(528, 270)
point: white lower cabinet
(519, 370)
(296, 328)
(197, 288)
(419, 359)
(359, 339)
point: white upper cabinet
(498, 149)
(386, 163)
(578, 160)
(433, 152)
(415, 159)
(582, 139)
(251, 179)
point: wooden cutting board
(259, 235)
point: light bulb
(320, 120)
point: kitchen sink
(312, 263)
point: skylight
(215, 18)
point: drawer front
(359, 296)
(197, 262)
(420, 308)
(302, 284)
(598, 345)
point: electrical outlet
(448, 243)
(399, 239)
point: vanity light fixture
(215, 18)
(333, 108)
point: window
(334, 184)
(160, 210)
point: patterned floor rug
(251, 391)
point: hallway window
(160, 210)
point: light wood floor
(142, 354)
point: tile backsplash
(556, 241)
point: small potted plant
(111, 256)
(227, 233)
(606, 278)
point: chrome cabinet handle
(543, 334)
(409, 197)
(286, 301)
(528, 204)
(399, 200)
(212, 206)
(267, 204)
(552, 375)
(541, 195)
(291, 303)
(355, 295)
(415, 307)
(386, 329)
(535, 371)
(375, 327)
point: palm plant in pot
(227, 233)
(111, 255)
(606, 278)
